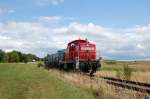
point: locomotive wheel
(91, 74)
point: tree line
(16, 56)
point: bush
(110, 62)
(127, 72)
(118, 74)
(40, 65)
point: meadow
(98, 87)
(27, 81)
(137, 70)
(140, 70)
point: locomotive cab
(81, 55)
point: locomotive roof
(79, 40)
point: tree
(6, 58)
(13, 56)
(16, 56)
(24, 58)
(32, 57)
(2, 56)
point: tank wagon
(80, 55)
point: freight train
(80, 55)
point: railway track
(132, 85)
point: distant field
(140, 69)
(118, 65)
(26, 81)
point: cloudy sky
(120, 28)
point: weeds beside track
(132, 85)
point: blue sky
(119, 27)
(114, 13)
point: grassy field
(140, 70)
(118, 65)
(98, 87)
(27, 81)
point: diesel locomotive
(80, 55)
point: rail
(132, 85)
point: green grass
(119, 68)
(109, 68)
(112, 65)
(27, 81)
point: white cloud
(11, 11)
(40, 38)
(55, 18)
(140, 46)
(142, 29)
(47, 2)
(4, 11)
(50, 18)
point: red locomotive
(82, 49)
(79, 55)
